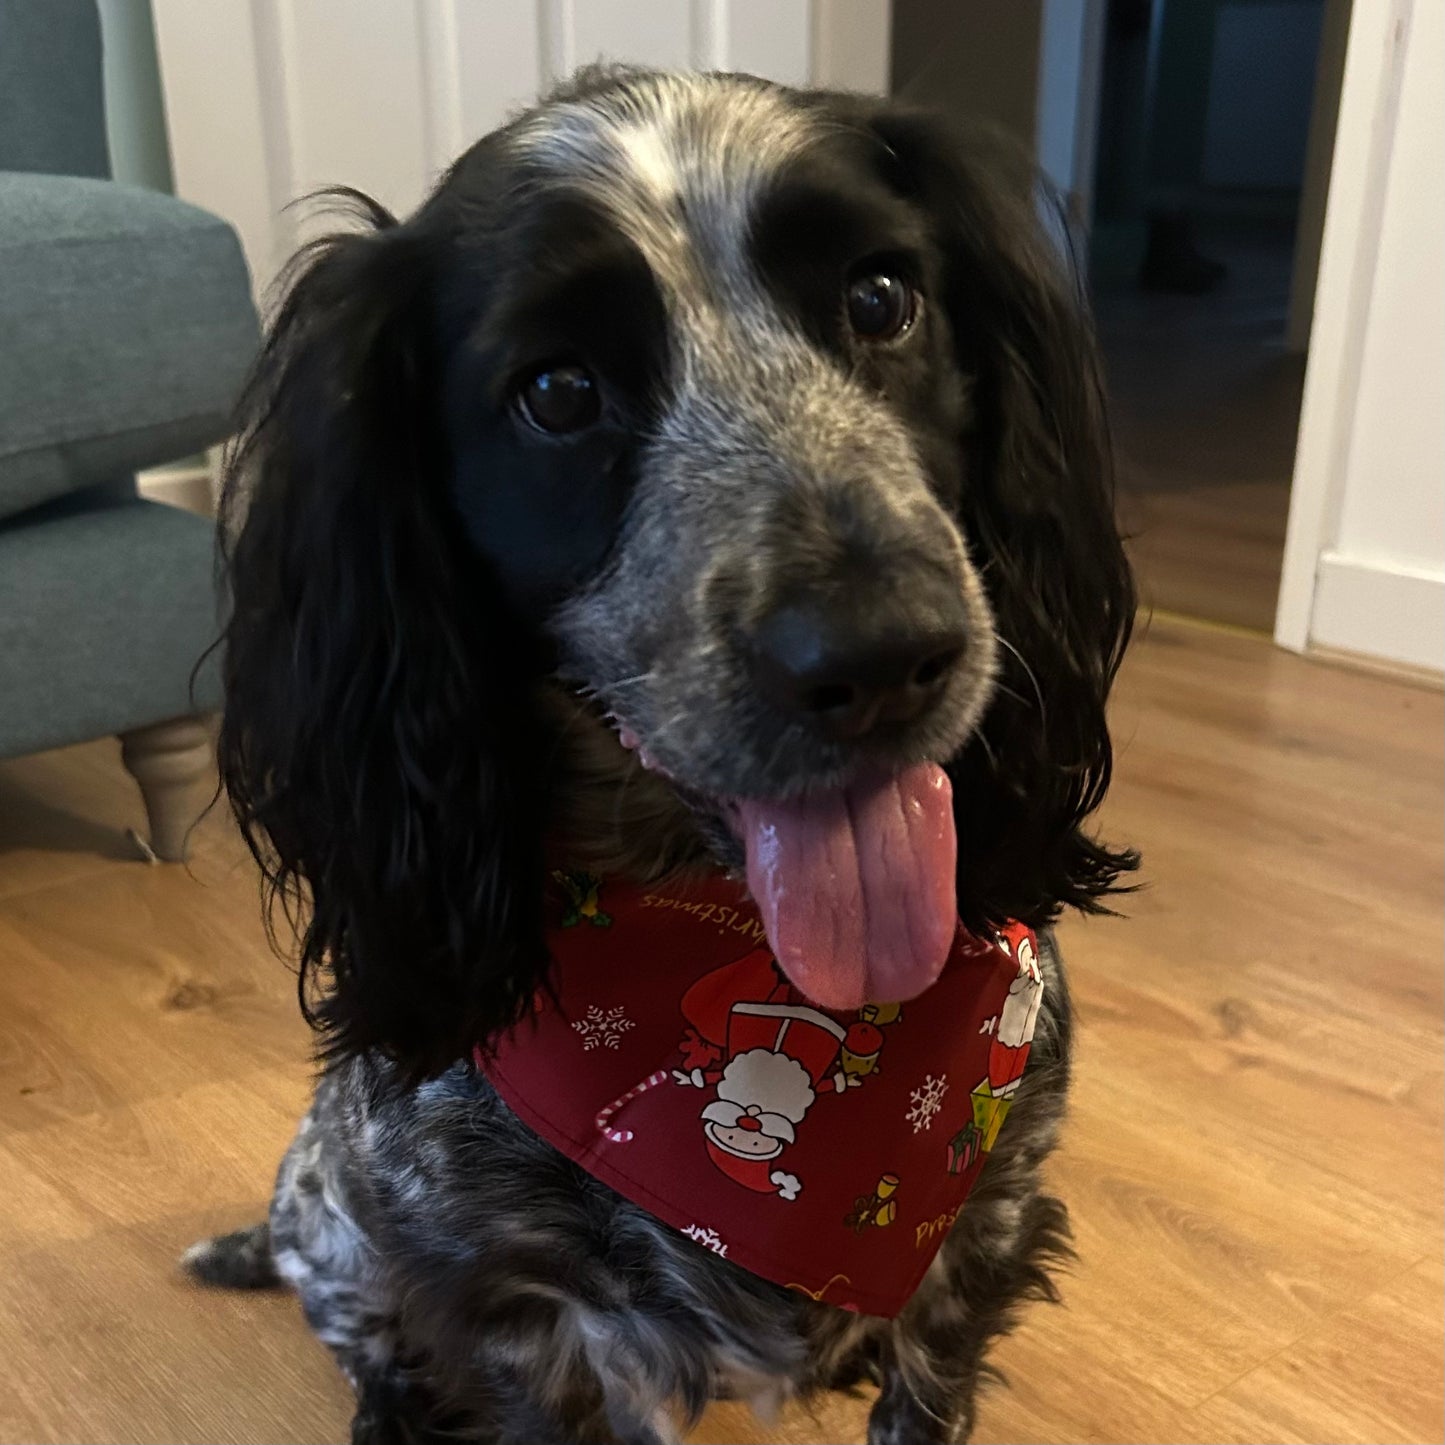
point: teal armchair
(126, 330)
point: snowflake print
(707, 1237)
(602, 1030)
(926, 1100)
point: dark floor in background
(1206, 408)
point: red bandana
(829, 1152)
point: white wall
(1033, 67)
(268, 100)
(850, 44)
(1365, 559)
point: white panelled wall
(269, 100)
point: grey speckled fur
(766, 442)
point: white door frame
(1349, 250)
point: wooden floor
(1254, 1161)
(1211, 552)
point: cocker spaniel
(708, 486)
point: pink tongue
(856, 887)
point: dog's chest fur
(434, 1216)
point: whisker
(634, 681)
(988, 752)
(1028, 672)
(661, 731)
(1007, 691)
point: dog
(698, 449)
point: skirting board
(1423, 677)
(1382, 610)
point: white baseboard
(1380, 609)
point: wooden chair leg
(174, 765)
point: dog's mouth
(855, 884)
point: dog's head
(767, 422)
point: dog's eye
(560, 399)
(880, 306)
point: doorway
(1192, 141)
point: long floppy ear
(1038, 510)
(377, 744)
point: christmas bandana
(827, 1151)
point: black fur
(1039, 508)
(364, 645)
(433, 606)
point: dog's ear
(1038, 511)
(377, 743)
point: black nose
(850, 665)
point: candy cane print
(624, 1136)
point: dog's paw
(240, 1260)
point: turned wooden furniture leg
(173, 763)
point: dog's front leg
(388, 1412)
(929, 1383)
(998, 1256)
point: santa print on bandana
(827, 1151)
